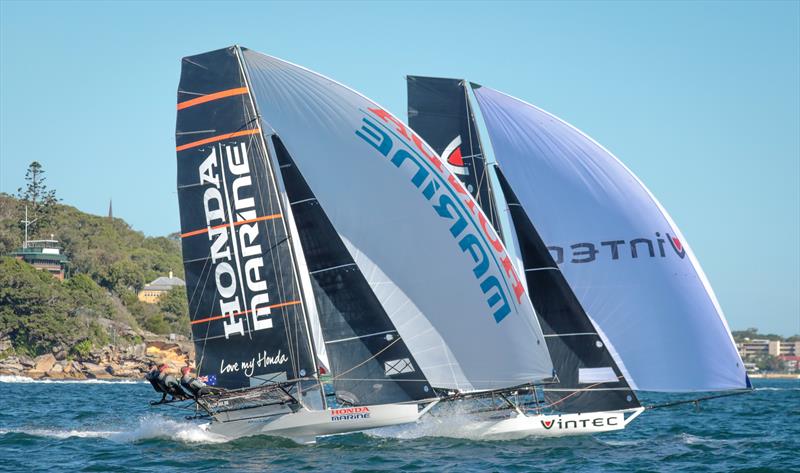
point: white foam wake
(12, 378)
(456, 423)
(150, 427)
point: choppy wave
(150, 427)
(12, 378)
(778, 389)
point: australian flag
(210, 380)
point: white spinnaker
(658, 313)
(405, 249)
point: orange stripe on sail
(235, 224)
(212, 97)
(217, 317)
(226, 136)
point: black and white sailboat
(319, 233)
(549, 173)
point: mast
(285, 210)
(440, 109)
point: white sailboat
(319, 234)
(621, 299)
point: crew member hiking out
(169, 385)
(152, 377)
(193, 385)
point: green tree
(35, 195)
(88, 298)
(33, 308)
(156, 324)
(123, 275)
(175, 308)
(174, 302)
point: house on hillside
(44, 255)
(152, 292)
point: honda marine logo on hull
(350, 413)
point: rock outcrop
(107, 362)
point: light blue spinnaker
(620, 251)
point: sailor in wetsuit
(169, 384)
(193, 385)
(152, 377)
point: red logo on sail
(678, 245)
(454, 159)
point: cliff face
(106, 362)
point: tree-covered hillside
(109, 263)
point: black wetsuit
(195, 386)
(170, 385)
(152, 377)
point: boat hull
(538, 425)
(304, 426)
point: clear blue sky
(701, 100)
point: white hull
(519, 425)
(304, 426)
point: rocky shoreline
(108, 362)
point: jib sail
(426, 250)
(440, 110)
(369, 361)
(588, 378)
(246, 309)
(621, 253)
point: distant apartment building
(152, 292)
(44, 255)
(751, 348)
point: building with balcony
(44, 255)
(749, 348)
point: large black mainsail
(247, 313)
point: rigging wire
(334, 378)
(696, 401)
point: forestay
(621, 253)
(428, 252)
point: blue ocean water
(108, 426)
